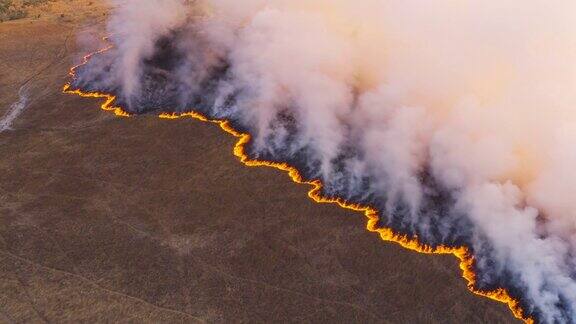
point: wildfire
(387, 234)
(466, 259)
(107, 105)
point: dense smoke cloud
(455, 119)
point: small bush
(16, 14)
(11, 9)
(5, 6)
(27, 3)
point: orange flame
(387, 234)
(107, 105)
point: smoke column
(456, 120)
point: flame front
(466, 259)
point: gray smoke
(455, 119)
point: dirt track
(106, 219)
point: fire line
(466, 259)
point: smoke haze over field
(455, 119)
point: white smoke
(479, 95)
(135, 27)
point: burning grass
(462, 253)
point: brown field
(107, 219)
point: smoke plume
(456, 120)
